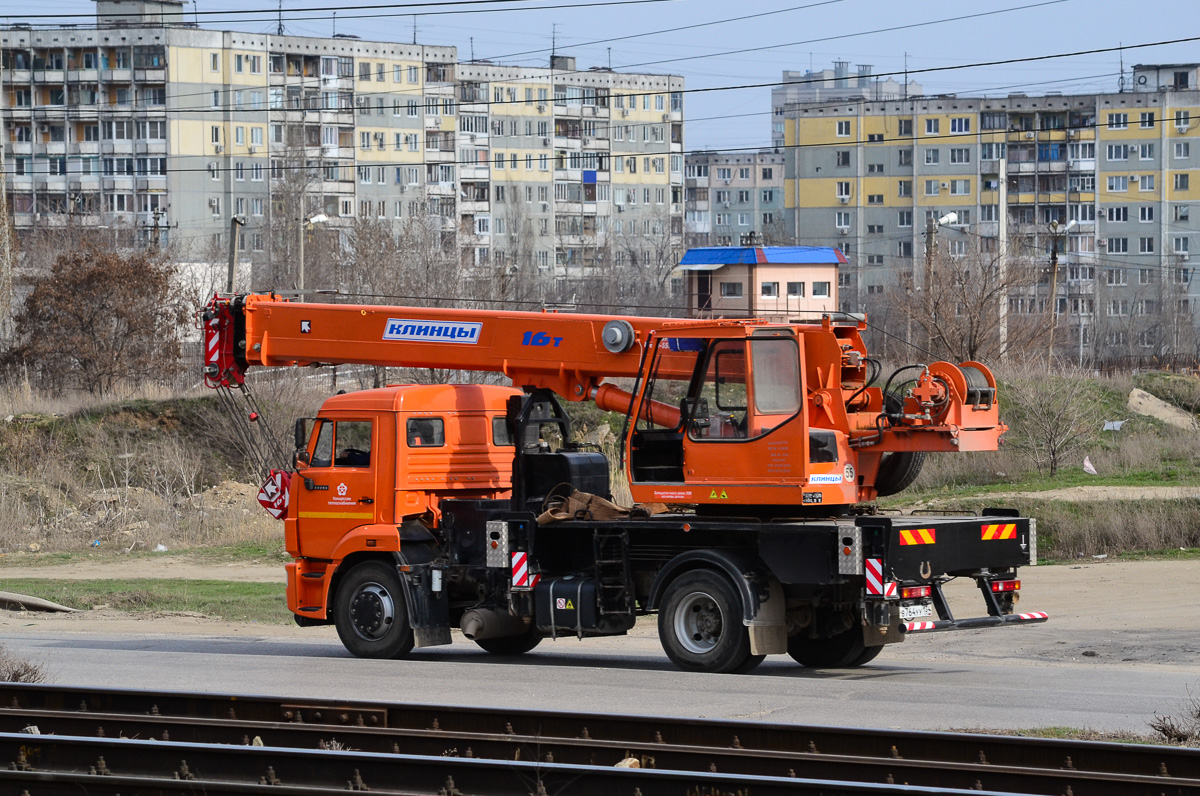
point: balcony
(121, 147)
(474, 172)
(22, 147)
(988, 229)
(158, 75)
(83, 75)
(439, 156)
(55, 148)
(49, 76)
(116, 75)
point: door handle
(366, 500)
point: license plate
(910, 612)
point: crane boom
(566, 353)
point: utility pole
(234, 223)
(1055, 232)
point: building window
(1118, 214)
(843, 157)
(842, 190)
(1146, 151)
(932, 157)
(820, 290)
(932, 126)
(731, 290)
(770, 290)
(1180, 245)
(842, 219)
(1183, 150)
(1146, 182)
(1181, 182)
(931, 187)
(1118, 246)
(1183, 119)
(1145, 245)
(960, 155)
(1118, 121)
(1118, 151)
(960, 187)
(875, 199)
(1118, 184)
(843, 129)
(904, 218)
(795, 290)
(960, 125)
(1146, 120)
(904, 157)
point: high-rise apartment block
(866, 175)
(734, 198)
(825, 85)
(159, 129)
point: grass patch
(1071, 734)
(239, 602)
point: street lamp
(305, 225)
(1056, 230)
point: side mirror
(301, 432)
(300, 459)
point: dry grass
(1182, 726)
(18, 670)
(157, 469)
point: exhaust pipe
(485, 623)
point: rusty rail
(504, 751)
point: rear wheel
(700, 625)
(371, 614)
(511, 645)
(844, 650)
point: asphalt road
(902, 688)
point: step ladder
(614, 576)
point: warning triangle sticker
(570, 606)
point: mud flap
(428, 604)
(881, 623)
(768, 628)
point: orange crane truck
(753, 452)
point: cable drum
(979, 391)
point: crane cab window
(741, 400)
(425, 432)
(345, 443)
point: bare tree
(1052, 414)
(959, 309)
(101, 319)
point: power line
(271, 12)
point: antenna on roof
(279, 29)
(335, 24)
(414, 28)
(472, 48)
(1121, 79)
(553, 43)
(610, 59)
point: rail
(102, 741)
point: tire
(371, 614)
(700, 625)
(511, 645)
(897, 471)
(845, 650)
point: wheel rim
(372, 612)
(698, 623)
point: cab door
(337, 490)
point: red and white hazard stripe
(214, 339)
(876, 585)
(521, 577)
(874, 572)
(915, 627)
(1034, 615)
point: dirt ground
(1130, 612)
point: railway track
(108, 741)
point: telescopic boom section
(566, 353)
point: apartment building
(1115, 174)
(838, 83)
(734, 198)
(567, 170)
(162, 131)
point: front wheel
(371, 614)
(700, 625)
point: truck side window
(500, 436)
(353, 440)
(723, 392)
(323, 452)
(425, 432)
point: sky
(715, 44)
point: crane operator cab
(741, 414)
